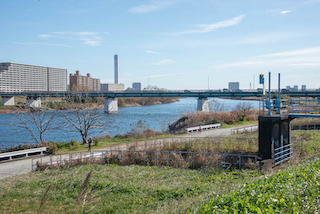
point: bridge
(33, 99)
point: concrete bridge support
(33, 102)
(203, 104)
(111, 105)
(7, 101)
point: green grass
(295, 190)
(105, 143)
(120, 189)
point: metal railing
(309, 126)
(179, 159)
(281, 154)
(14, 146)
(248, 129)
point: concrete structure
(83, 83)
(16, 77)
(112, 87)
(233, 86)
(303, 87)
(7, 101)
(203, 104)
(274, 132)
(34, 102)
(111, 105)
(136, 86)
(295, 87)
(116, 69)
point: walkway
(24, 165)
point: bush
(95, 141)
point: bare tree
(84, 115)
(243, 109)
(217, 105)
(36, 121)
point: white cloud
(285, 11)
(152, 52)
(89, 38)
(308, 57)
(44, 36)
(205, 28)
(163, 62)
(151, 6)
(304, 51)
(39, 43)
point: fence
(196, 143)
(179, 159)
(14, 146)
(249, 129)
(311, 126)
(281, 154)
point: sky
(173, 44)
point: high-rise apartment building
(83, 83)
(233, 86)
(15, 77)
(136, 86)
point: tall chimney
(116, 69)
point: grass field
(120, 189)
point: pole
(279, 100)
(263, 94)
(269, 94)
(254, 78)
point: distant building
(136, 86)
(116, 69)
(295, 88)
(288, 87)
(112, 87)
(83, 83)
(16, 77)
(233, 86)
(303, 87)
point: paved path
(24, 165)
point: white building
(233, 86)
(112, 87)
(16, 77)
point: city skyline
(177, 44)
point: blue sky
(178, 44)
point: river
(156, 117)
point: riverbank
(98, 103)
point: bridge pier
(111, 105)
(7, 100)
(34, 102)
(203, 104)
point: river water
(156, 117)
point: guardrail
(203, 128)
(7, 146)
(249, 129)
(25, 152)
(179, 159)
